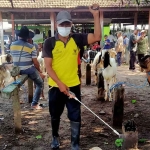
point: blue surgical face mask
(64, 31)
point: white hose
(97, 116)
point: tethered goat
(109, 74)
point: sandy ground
(93, 132)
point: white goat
(4, 76)
(109, 74)
(41, 62)
(98, 61)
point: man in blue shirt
(107, 43)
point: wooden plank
(86, 9)
(30, 90)
(8, 91)
(118, 107)
(17, 110)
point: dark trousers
(132, 60)
(119, 58)
(58, 100)
(140, 56)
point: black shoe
(55, 143)
(75, 135)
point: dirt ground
(93, 132)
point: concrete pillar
(1, 34)
(102, 25)
(135, 20)
(13, 27)
(52, 19)
(149, 30)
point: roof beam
(11, 1)
(112, 9)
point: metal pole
(1, 35)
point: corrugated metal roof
(70, 3)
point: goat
(4, 76)
(41, 61)
(98, 61)
(109, 74)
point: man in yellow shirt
(60, 58)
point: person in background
(119, 47)
(132, 47)
(112, 40)
(28, 62)
(106, 43)
(125, 44)
(96, 47)
(61, 65)
(142, 46)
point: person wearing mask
(61, 65)
(119, 47)
(28, 62)
(132, 47)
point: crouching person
(61, 64)
(28, 63)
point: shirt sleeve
(47, 49)
(133, 38)
(108, 41)
(82, 39)
(34, 52)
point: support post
(17, 111)
(52, 19)
(1, 34)
(102, 24)
(149, 30)
(135, 20)
(118, 107)
(13, 26)
(30, 90)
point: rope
(128, 84)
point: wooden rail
(12, 91)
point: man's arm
(48, 64)
(48, 58)
(97, 28)
(34, 59)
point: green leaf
(119, 142)
(133, 101)
(38, 137)
(142, 140)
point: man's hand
(63, 88)
(93, 9)
(42, 75)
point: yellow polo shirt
(64, 61)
